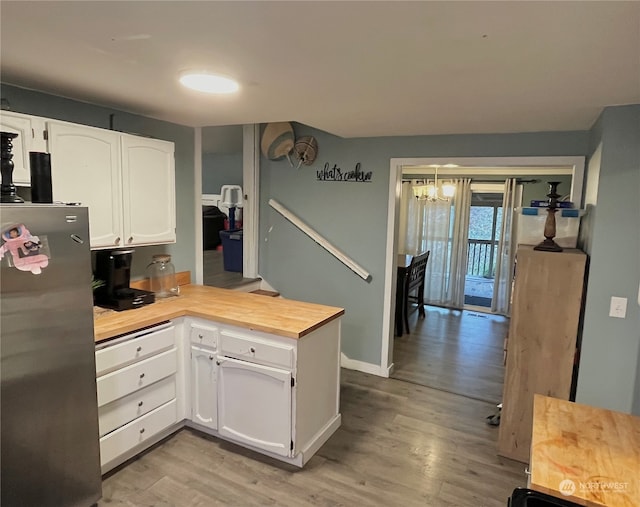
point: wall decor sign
(335, 173)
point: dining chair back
(414, 286)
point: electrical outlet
(618, 307)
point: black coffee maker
(114, 268)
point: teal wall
(50, 106)
(221, 157)
(353, 216)
(220, 169)
(610, 359)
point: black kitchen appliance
(114, 268)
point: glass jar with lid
(162, 276)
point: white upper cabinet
(30, 130)
(126, 181)
(85, 168)
(148, 184)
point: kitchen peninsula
(258, 371)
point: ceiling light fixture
(432, 191)
(209, 83)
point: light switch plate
(618, 307)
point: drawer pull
(527, 471)
(140, 403)
(141, 430)
(142, 375)
(253, 350)
(200, 336)
(139, 349)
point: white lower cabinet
(254, 405)
(275, 395)
(128, 408)
(123, 439)
(136, 385)
(204, 390)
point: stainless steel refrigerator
(49, 452)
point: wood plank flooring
(456, 351)
(214, 274)
(400, 444)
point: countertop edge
(181, 309)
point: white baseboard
(354, 364)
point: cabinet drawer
(127, 380)
(136, 432)
(116, 356)
(255, 349)
(122, 411)
(206, 336)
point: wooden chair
(414, 286)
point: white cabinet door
(148, 173)
(204, 406)
(30, 130)
(85, 168)
(254, 405)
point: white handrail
(341, 256)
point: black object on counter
(7, 188)
(40, 165)
(114, 268)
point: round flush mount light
(209, 83)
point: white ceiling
(350, 68)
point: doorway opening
(229, 158)
(483, 241)
(461, 349)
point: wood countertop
(596, 452)
(283, 317)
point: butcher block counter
(589, 455)
(282, 317)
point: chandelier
(433, 191)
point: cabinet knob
(218, 363)
(141, 430)
(253, 350)
(117, 241)
(142, 375)
(140, 403)
(139, 349)
(200, 336)
(130, 240)
(211, 358)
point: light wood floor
(400, 444)
(456, 351)
(214, 274)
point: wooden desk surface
(588, 455)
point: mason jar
(162, 276)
